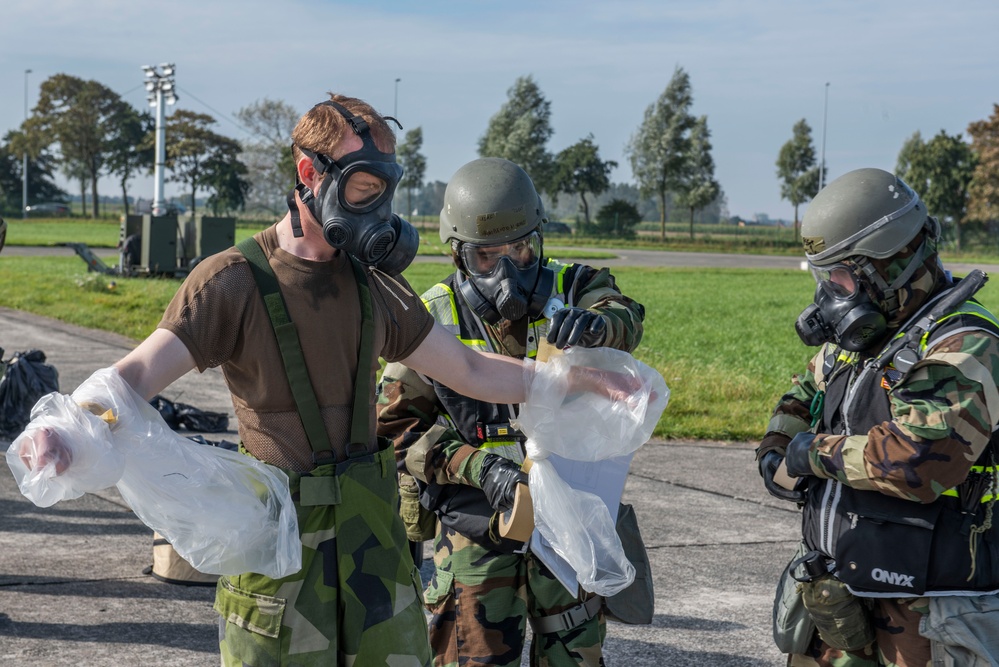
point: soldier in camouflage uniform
(304, 395)
(486, 589)
(889, 433)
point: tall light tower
(822, 160)
(160, 86)
(24, 165)
(395, 107)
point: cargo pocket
(439, 591)
(252, 624)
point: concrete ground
(72, 591)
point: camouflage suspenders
(294, 361)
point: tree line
(956, 179)
(87, 131)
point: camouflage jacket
(941, 414)
(923, 442)
(410, 404)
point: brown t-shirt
(221, 318)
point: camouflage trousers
(481, 601)
(356, 601)
(897, 640)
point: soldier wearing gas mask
(461, 457)
(888, 440)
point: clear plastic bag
(581, 530)
(586, 427)
(223, 512)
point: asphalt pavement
(72, 590)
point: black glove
(769, 463)
(797, 455)
(498, 478)
(577, 326)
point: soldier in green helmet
(888, 441)
(464, 455)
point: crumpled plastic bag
(223, 512)
(24, 378)
(585, 427)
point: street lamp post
(822, 160)
(395, 107)
(160, 86)
(24, 164)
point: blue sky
(755, 67)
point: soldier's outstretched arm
(498, 379)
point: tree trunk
(93, 193)
(124, 195)
(662, 216)
(83, 197)
(586, 208)
(691, 223)
(796, 223)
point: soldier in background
(890, 433)
(486, 588)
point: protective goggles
(481, 259)
(840, 279)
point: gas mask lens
(362, 189)
(480, 259)
(839, 279)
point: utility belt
(889, 547)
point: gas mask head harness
(354, 202)
(504, 281)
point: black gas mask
(842, 313)
(505, 281)
(354, 203)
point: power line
(219, 113)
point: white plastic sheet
(223, 512)
(588, 427)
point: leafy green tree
(267, 156)
(130, 146)
(797, 169)
(906, 154)
(940, 171)
(658, 150)
(80, 116)
(983, 191)
(225, 177)
(41, 186)
(698, 187)
(520, 130)
(415, 164)
(199, 158)
(618, 218)
(578, 170)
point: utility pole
(160, 86)
(395, 107)
(24, 164)
(822, 160)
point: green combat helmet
(865, 212)
(490, 200)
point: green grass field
(722, 338)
